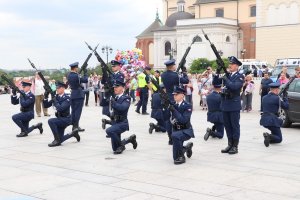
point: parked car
(292, 115)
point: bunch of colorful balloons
(132, 61)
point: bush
(199, 65)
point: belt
(212, 111)
(59, 115)
(181, 126)
(119, 118)
(25, 109)
(269, 113)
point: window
(297, 87)
(167, 48)
(227, 39)
(253, 11)
(220, 12)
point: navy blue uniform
(270, 118)
(106, 97)
(265, 88)
(231, 106)
(182, 128)
(23, 118)
(157, 112)
(214, 114)
(63, 118)
(171, 79)
(77, 95)
(119, 120)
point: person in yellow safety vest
(133, 87)
(158, 80)
(143, 86)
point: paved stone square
(29, 169)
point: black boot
(234, 149)
(151, 128)
(40, 127)
(75, 133)
(56, 141)
(120, 149)
(227, 149)
(267, 139)
(132, 139)
(103, 123)
(207, 134)
(22, 134)
(157, 128)
(180, 159)
(188, 149)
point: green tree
(199, 65)
(214, 63)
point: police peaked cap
(178, 90)
(170, 62)
(234, 60)
(75, 64)
(115, 63)
(25, 83)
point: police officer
(157, 113)
(231, 104)
(270, 118)
(157, 77)
(22, 119)
(106, 81)
(214, 114)
(77, 94)
(144, 86)
(171, 79)
(120, 105)
(61, 103)
(182, 128)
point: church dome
(171, 21)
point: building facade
(230, 24)
(278, 29)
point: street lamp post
(243, 54)
(108, 50)
(172, 52)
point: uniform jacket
(111, 79)
(234, 85)
(74, 80)
(157, 108)
(182, 115)
(214, 114)
(270, 104)
(120, 108)
(62, 104)
(171, 79)
(26, 103)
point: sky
(52, 32)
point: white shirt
(179, 103)
(39, 87)
(233, 73)
(119, 95)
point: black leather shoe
(207, 134)
(189, 151)
(137, 111)
(233, 150)
(151, 128)
(76, 135)
(54, 144)
(145, 113)
(170, 142)
(103, 123)
(40, 127)
(226, 150)
(267, 139)
(119, 150)
(179, 160)
(133, 141)
(22, 134)
(81, 129)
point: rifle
(105, 70)
(163, 95)
(85, 64)
(183, 59)
(46, 84)
(284, 90)
(220, 62)
(11, 84)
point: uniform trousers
(178, 138)
(219, 130)
(232, 124)
(143, 99)
(115, 132)
(276, 136)
(58, 126)
(76, 105)
(22, 120)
